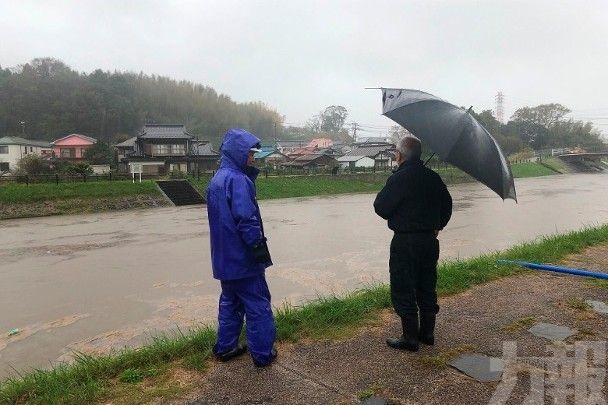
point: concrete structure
(13, 148)
(72, 147)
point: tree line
(45, 99)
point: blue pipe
(557, 269)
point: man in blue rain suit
(239, 253)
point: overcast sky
(301, 56)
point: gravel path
(479, 320)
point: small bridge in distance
(586, 161)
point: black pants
(413, 271)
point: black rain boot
(427, 328)
(409, 340)
(231, 354)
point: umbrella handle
(429, 159)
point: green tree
(78, 168)
(55, 100)
(32, 164)
(545, 126)
(99, 154)
(333, 118)
(545, 115)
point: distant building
(354, 162)
(124, 148)
(162, 148)
(306, 150)
(376, 153)
(270, 156)
(373, 139)
(72, 147)
(312, 161)
(13, 148)
(320, 143)
(286, 147)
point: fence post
(84, 177)
(110, 176)
(27, 180)
(56, 179)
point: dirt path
(480, 320)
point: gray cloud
(300, 56)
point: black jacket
(414, 199)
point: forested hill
(53, 100)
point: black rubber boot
(237, 351)
(409, 340)
(427, 328)
(273, 356)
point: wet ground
(487, 319)
(95, 282)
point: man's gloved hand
(260, 251)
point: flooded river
(94, 282)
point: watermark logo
(571, 372)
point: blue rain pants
(247, 298)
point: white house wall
(16, 152)
(365, 162)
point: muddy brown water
(96, 282)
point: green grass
(92, 378)
(267, 188)
(530, 169)
(306, 186)
(578, 304)
(21, 193)
(556, 164)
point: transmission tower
(499, 113)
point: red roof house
(72, 146)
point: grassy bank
(305, 186)
(20, 200)
(531, 169)
(144, 373)
(21, 193)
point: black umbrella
(453, 134)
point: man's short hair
(409, 147)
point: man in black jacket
(417, 205)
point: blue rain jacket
(235, 222)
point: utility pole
(275, 133)
(355, 127)
(500, 98)
(22, 128)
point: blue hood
(235, 148)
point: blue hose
(556, 269)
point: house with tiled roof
(286, 147)
(72, 147)
(368, 155)
(162, 148)
(312, 161)
(270, 156)
(13, 148)
(321, 143)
